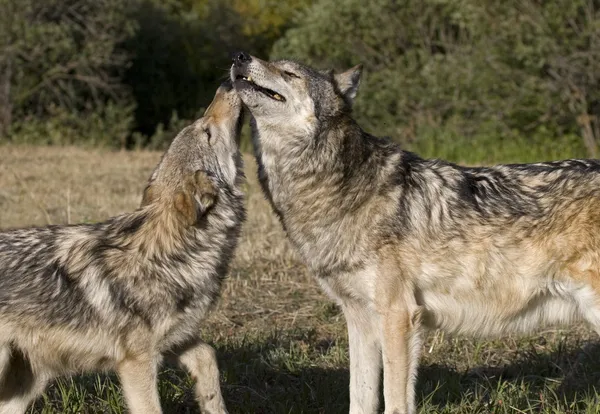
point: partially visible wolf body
(121, 294)
(406, 244)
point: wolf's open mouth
(270, 93)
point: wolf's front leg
(365, 358)
(20, 384)
(401, 345)
(138, 379)
(201, 361)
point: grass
(282, 345)
(497, 146)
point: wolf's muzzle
(241, 58)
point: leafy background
(468, 80)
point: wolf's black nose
(239, 58)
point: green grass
(303, 371)
(491, 147)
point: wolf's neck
(316, 183)
(292, 164)
(152, 233)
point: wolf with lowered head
(406, 244)
(125, 293)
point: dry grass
(282, 344)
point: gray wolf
(122, 294)
(406, 244)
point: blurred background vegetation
(467, 80)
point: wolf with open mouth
(406, 244)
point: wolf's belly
(488, 313)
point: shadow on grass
(574, 374)
(254, 385)
(255, 380)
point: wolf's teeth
(277, 96)
(249, 78)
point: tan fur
(121, 294)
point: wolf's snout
(225, 105)
(225, 87)
(241, 58)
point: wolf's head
(203, 158)
(293, 97)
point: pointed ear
(206, 193)
(150, 194)
(197, 198)
(348, 81)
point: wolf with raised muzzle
(406, 244)
(125, 293)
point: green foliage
(489, 146)
(178, 64)
(134, 71)
(108, 125)
(61, 69)
(182, 52)
(486, 77)
(485, 71)
(163, 134)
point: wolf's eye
(290, 74)
(208, 135)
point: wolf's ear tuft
(149, 195)
(206, 193)
(184, 205)
(348, 81)
(196, 199)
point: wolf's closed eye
(291, 74)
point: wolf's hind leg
(401, 340)
(19, 384)
(201, 361)
(138, 379)
(588, 301)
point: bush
(488, 72)
(107, 126)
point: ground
(281, 343)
